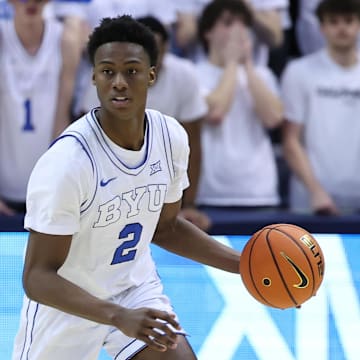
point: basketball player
(37, 78)
(108, 186)
(321, 94)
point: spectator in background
(268, 17)
(37, 80)
(176, 92)
(321, 136)
(239, 166)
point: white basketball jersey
(112, 209)
(28, 98)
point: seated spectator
(239, 167)
(37, 79)
(322, 107)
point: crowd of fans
(267, 90)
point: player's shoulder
(168, 125)
(68, 149)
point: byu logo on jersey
(131, 203)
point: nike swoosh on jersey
(105, 182)
(304, 281)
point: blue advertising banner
(224, 322)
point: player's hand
(323, 204)
(158, 329)
(197, 217)
(6, 210)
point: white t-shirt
(238, 165)
(325, 98)
(28, 99)
(95, 10)
(176, 91)
(82, 187)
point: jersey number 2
(126, 252)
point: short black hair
(214, 10)
(155, 26)
(122, 29)
(338, 7)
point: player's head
(340, 22)
(122, 29)
(161, 36)
(124, 54)
(221, 15)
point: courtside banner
(224, 322)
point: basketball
(282, 266)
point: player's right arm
(46, 254)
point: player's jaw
(120, 101)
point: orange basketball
(282, 265)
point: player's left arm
(181, 237)
(71, 54)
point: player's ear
(152, 76)
(93, 79)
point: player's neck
(344, 58)
(30, 33)
(127, 134)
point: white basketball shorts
(46, 333)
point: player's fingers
(163, 336)
(159, 339)
(169, 319)
(153, 343)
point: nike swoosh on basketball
(105, 182)
(304, 281)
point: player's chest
(124, 196)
